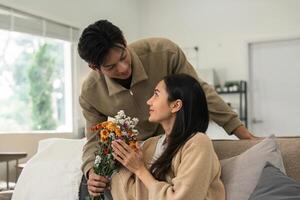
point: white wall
(80, 13)
(221, 29)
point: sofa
(289, 147)
(225, 149)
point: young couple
(179, 165)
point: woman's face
(159, 106)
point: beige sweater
(151, 60)
(195, 175)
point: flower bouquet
(121, 127)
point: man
(123, 77)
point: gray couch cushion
(240, 174)
(289, 147)
(274, 185)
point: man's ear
(176, 106)
(99, 71)
(95, 68)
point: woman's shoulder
(200, 137)
(199, 140)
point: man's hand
(96, 184)
(242, 133)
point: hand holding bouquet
(120, 128)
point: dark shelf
(243, 107)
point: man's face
(117, 63)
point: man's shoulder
(154, 44)
(91, 80)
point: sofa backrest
(289, 147)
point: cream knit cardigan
(195, 175)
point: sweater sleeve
(194, 174)
(219, 111)
(123, 185)
(92, 117)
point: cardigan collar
(138, 74)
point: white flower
(121, 121)
(135, 120)
(112, 136)
(124, 121)
(124, 133)
(98, 160)
(121, 114)
(135, 132)
(131, 126)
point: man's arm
(92, 117)
(95, 183)
(243, 133)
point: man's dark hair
(190, 119)
(97, 39)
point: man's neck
(124, 82)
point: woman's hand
(128, 157)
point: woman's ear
(176, 106)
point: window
(35, 74)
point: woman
(182, 163)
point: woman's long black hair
(191, 118)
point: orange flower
(118, 132)
(103, 139)
(104, 133)
(104, 124)
(132, 145)
(98, 126)
(111, 127)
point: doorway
(275, 87)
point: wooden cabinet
(11, 156)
